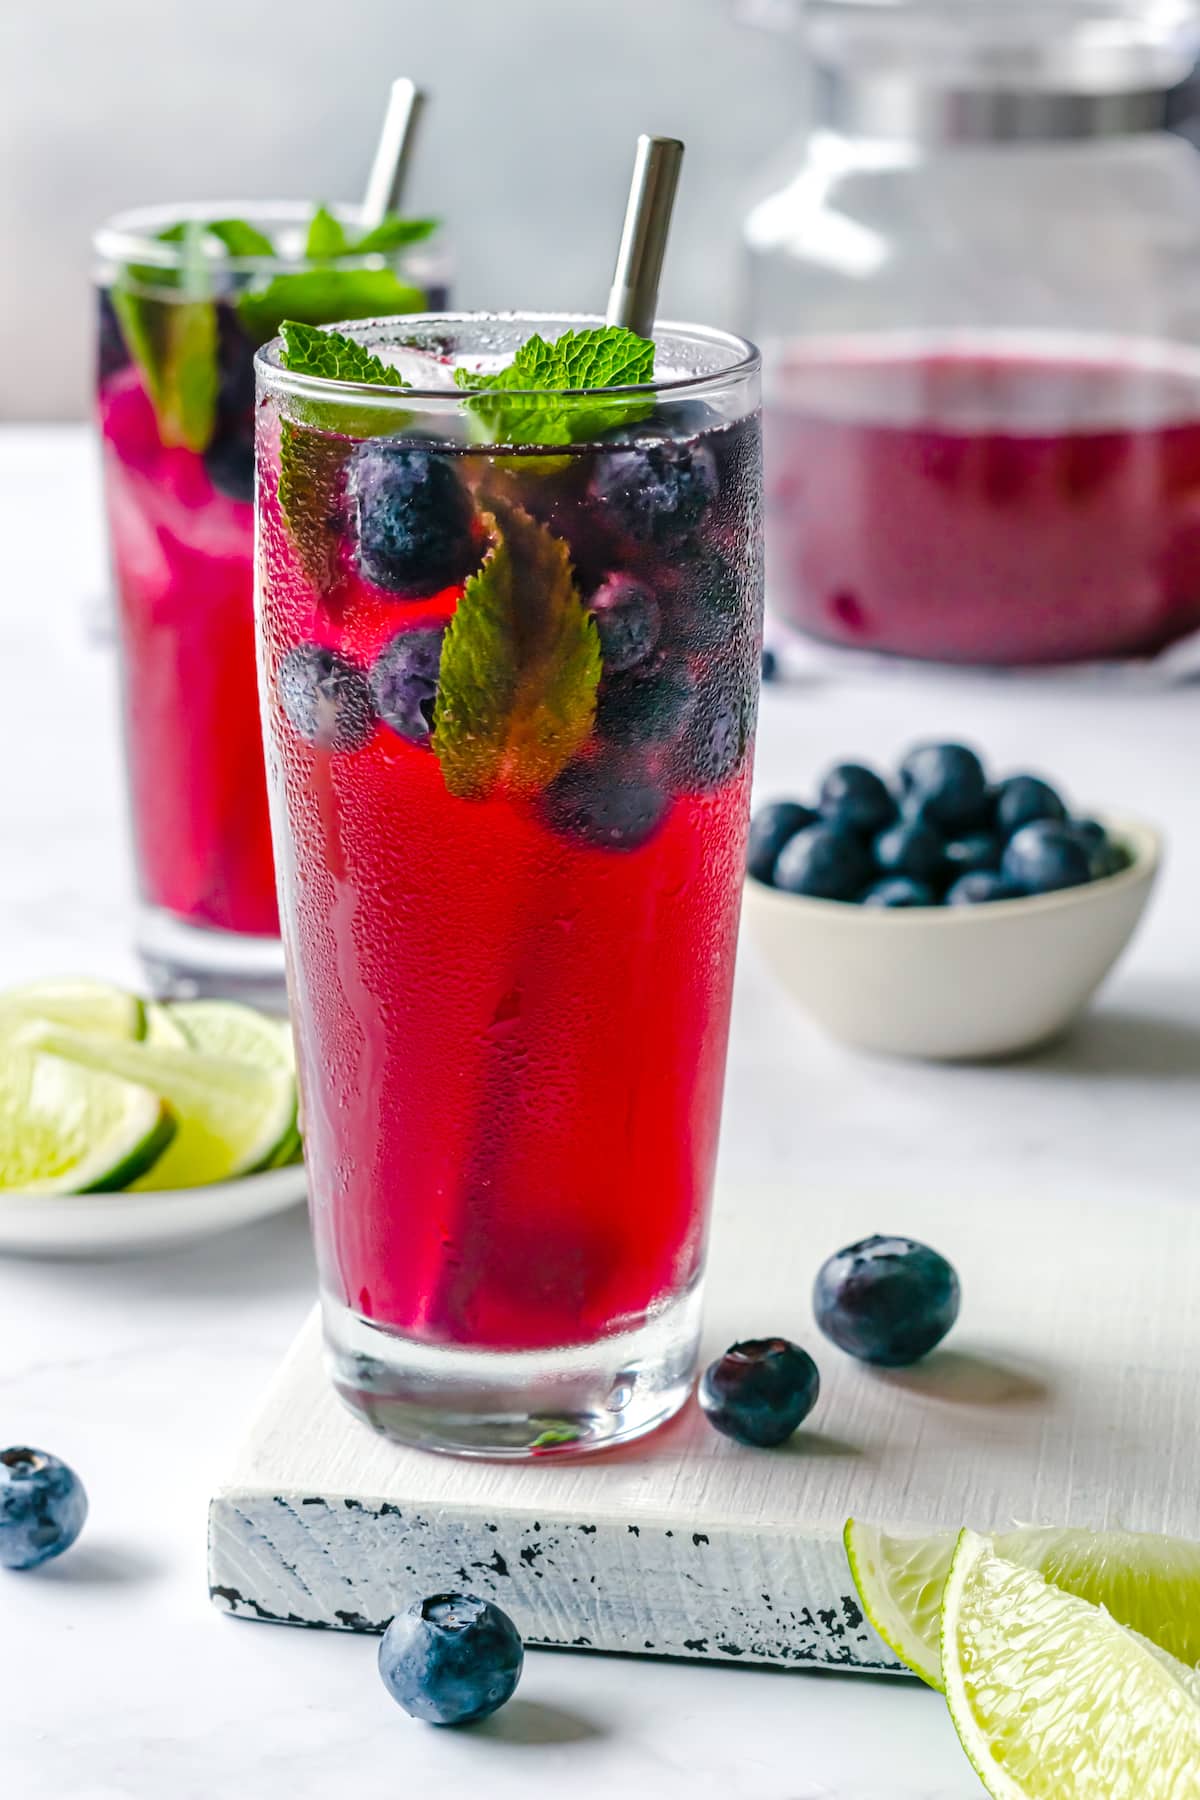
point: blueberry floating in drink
(451, 1659)
(760, 1391)
(657, 493)
(628, 621)
(404, 681)
(939, 835)
(42, 1507)
(412, 519)
(886, 1300)
(326, 698)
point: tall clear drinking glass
(187, 293)
(509, 693)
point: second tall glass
(187, 294)
(509, 694)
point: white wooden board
(1065, 1394)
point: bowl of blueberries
(941, 914)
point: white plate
(124, 1224)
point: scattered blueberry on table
(451, 1659)
(760, 1391)
(939, 834)
(42, 1507)
(886, 1300)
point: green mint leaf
(321, 296)
(556, 1434)
(520, 666)
(544, 412)
(326, 237)
(311, 486)
(307, 351)
(392, 233)
(241, 239)
(174, 340)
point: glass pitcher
(976, 281)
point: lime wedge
(232, 1118)
(91, 1006)
(161, 1029)
(1151, 1584)
(900, 1582)
(1052, 1699)
(226, 1028)
(71, 1130)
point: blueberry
(759, 1391)
(404, 681)
(887, 1300)
(770, 666)
(947, 781)
(979, 888)
(824, 862)
(451, 1659)
(1104, 856)
(609, 802)
(770, 829)
(715, 738)
(229, 460)
(711, 604)
(854, 796)
(645, 707)
(42, 1507)
(899, 890)
(628, 621)
(1044, 857)
(912, 849)
(969, 855)
(658, 493)
(112, 354)
(326, 698)
(1023, 799)
(412, 519)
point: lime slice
(226, 1028)
(71, 1130)
(232, 1118)
(91, 1006)
(161, 1030)
(1052, 1699)
(1151, 1584)
(900, 1582)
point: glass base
(196, 962)
(516, 1404)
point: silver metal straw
(394, 154)
(633, 298)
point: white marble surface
(117, 1680)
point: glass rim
(129, 236)
(746, 360)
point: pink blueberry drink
(986, 502)
(186, 296)
(509, 632)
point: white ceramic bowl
(132, 1224)
(955, 982)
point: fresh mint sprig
(174, 340)
(520, 666)
(333, 356)
(538, 398)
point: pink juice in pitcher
(986, 500)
